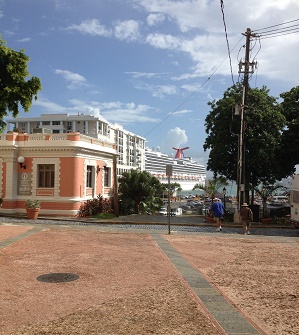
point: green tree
(265, 192)
(174, 187)
(139, 192)
(213, 186)
(288, 154)
(15, 90)
(264, 123)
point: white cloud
(91, 27)
(182, 112)
(207, 15)
(191, 87)
(175, 137)
(279, 63)
(49, 106)
(182, 12)
(162, 91)
(122, 30)
(116, 111)
(75, 79)
(161, 41)
(24, 40)
(158, 91)
(154, 19)
(207, 47)
(145, 74)
(113, 111)
(129, 113)
(127, 30)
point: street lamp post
(224, 193)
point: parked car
(173, 211)
(176, 211)
(163, 211)
(185, 208)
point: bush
(96, 206)
(280, 220)
(32, 203)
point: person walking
(218, 211)
(246, 218)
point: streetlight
(224, 193)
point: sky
(151, 65)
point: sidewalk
(35, 249)
(187, 220)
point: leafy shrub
(32, 203)
(96, 206)
(281, 220)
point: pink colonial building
(61, 170)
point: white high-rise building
(130, 147)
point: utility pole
(244, 67)
(168, 174)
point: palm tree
(213, 186)
(139, 192)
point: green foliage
(265, 192)
(15, 90)
(213, 186)
(281, 220)
(32, 203)
(289, 151)
(265, 123)
(102, 216)
(139, 192)
(96, 206)
(174, 187)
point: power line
(279, 30)
(277, 35)
(191, 95)
(276, 25)
(227, 43)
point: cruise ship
(185, 171)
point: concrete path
(223, 312)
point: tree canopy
(139, 192)
(15, 90)
(265, 122)
(213, 186)
(289, 151)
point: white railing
(63, 137)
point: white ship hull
(186, 185)
(185, 171)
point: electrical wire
(194, 92)
(279, 30)
(226, 37)
(276, 25)
(260, 47)
(283, 30)
(278, 35)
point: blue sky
(150, 65)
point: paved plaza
(66, 247)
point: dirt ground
(128, 286)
